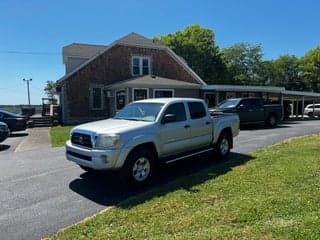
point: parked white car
(148, 132)
(312, 110)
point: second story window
(140, 65)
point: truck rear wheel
(139, 168)
(272, 121)
(223, 146)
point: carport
(213, 94)
(299, 100)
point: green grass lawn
(59, 135)
(274, 194)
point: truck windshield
(140, 112)
(229, 103)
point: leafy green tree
(287, 73)
(50, 88)
(198, 47)
(310, 69)
(267, 73)
(244, 62)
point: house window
(96, 98)
(140, 65)
(120, 99)
(163, 93)
(140, 93)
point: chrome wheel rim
(224, 146)
(141, 169)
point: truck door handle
(186, 126)
(207, 123)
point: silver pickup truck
(148, 132)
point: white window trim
(139, 89)
(140, 65)
(115, 97)
(91, 97)
(162, 89)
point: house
(100, 80)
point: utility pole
(28, 81)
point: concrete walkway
(38, 138)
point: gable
(135, 43)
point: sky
(33, 32)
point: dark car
(14, 121)
(251, 110)
(4, 131)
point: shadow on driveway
(105, 188)
(4, 147)
(18, 134)
(262, 126)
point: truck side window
(178, 110)
(256, 103)
(196, 110)
(246, 104)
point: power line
(28, 53)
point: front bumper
(93, 158)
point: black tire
(139, 168)
(272, 121)
(223, 146)
(310, 114)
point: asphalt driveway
(41, 192)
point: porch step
(41, 121)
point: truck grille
(81, 139)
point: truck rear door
(200, 124)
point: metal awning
(301, 94)
(242, 88)
(150, 81)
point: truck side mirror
(168, 118)
(241, 106)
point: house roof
(150, 81)
(139, 40)
(134, 39)
(81, 50)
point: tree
(287, 73)
(50, 88)
(244, 62)
(310, 69)
(197, 46)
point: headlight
(105, 141)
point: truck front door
(250, 110)
(174, 135)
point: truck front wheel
(139, 168)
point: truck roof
(169, 100)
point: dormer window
(140, 65)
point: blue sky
(42, 28)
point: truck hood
(112, 126)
